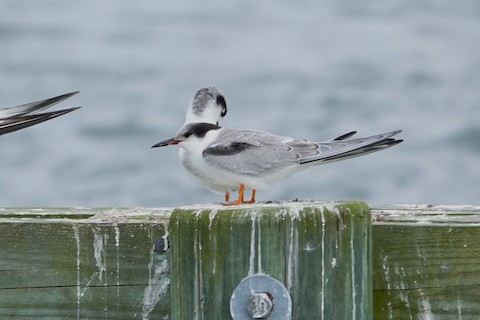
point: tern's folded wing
(255, 153)
(261, 154)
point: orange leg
(239, 201)
(241, 192)
(252, 200)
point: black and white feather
(16, 118)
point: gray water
(312, 69)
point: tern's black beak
(166, 143)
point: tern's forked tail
(343, 149)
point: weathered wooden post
(235, 262)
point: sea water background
(313, 69)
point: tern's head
(207, 106)
(190, 134)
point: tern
(208, 105)
(226, 160)
(16, 118)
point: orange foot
(239, 200)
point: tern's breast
(186, 160)
(197, 168)
(194, 164)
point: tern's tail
(339, 149)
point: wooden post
(319, 251)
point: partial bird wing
(344, 136)
(257, 153)
(16, 118)
(344, 149)
(17, 123)
(33, 106)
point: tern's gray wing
(256, 153)
(33, 106)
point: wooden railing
(337, 260)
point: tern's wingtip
(66, 95)
(64, 111)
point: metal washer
(257, 283)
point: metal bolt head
(161, 245)
(244, 305)
(259, 305)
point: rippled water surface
(312, 69)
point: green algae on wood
(319, 251)
(426, 262)
(83, 264)
(426, 259)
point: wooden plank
(82, 264)
(319, 251)
(67, 264)
(426, 262)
